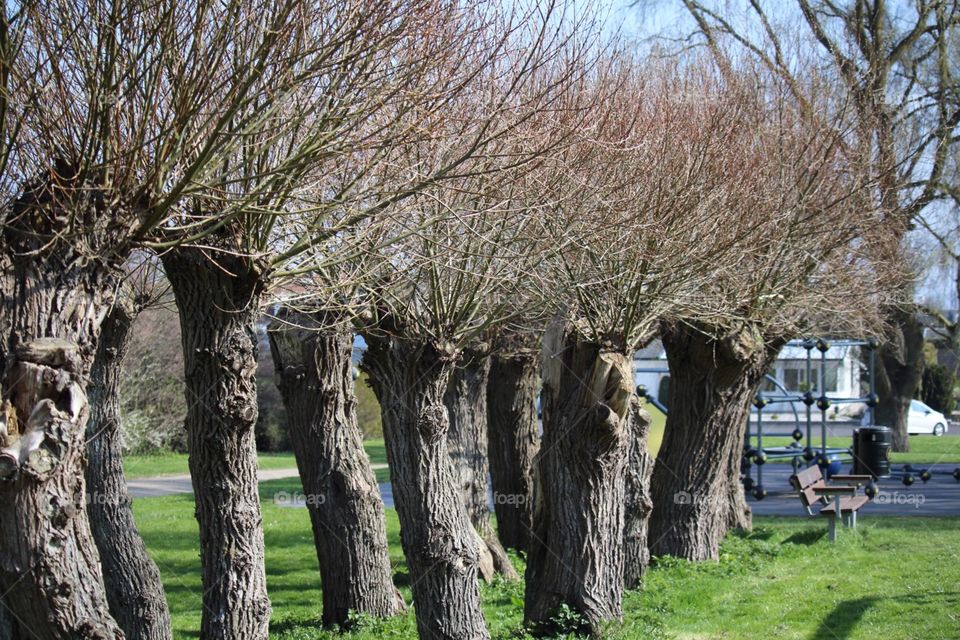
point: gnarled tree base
(514, 439)
(576, 551)
(49, 566)
(697, 495)
(409, 378)
(312, 358)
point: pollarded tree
(438, 289)
(512, 393)
(803, 230)
(312, 355)
(894, 65)
(641, 222)
(342, 145)
(111, 115)
(466, 403)
(421, 315)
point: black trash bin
(871, 451)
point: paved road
(834, 429)
(939, 497)
(169, 485)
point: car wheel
(938, 430)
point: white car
(923, 419)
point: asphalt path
(938, 497)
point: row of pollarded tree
(464, 187)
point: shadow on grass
(300, 624)
(757, 533)
(807, 537)
(845, 616)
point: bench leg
(853, 520)
(832, 528)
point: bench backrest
(804, 482)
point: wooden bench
(815, 491)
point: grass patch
(171, 464)
(892, 578)
(655, 438)
(924, 449)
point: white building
(843, 370)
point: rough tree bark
(55, 289)
(466, 402)
(134, 589)
(409, 378)
(697, 495)
(639, 467)
(312, 356)
(218, 298)
(514, 439)
(576, 552)
(899, 374)
(48, 550)
(8, 630)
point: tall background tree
(513, 428)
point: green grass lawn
(176, 463)
(655, 439)
(893, 578)
(925, 449)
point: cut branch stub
(43, 395)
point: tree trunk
(134, 589)
(409, 378)
(218, 300)
(8, 629)
(739, 513)
(466, 402)
(576, 552)
(514, 439)
(52, 302)
(638, 503)
(899, 374)
(312, 356)
(696, 489)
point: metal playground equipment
(804, 450)
(830, 460)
